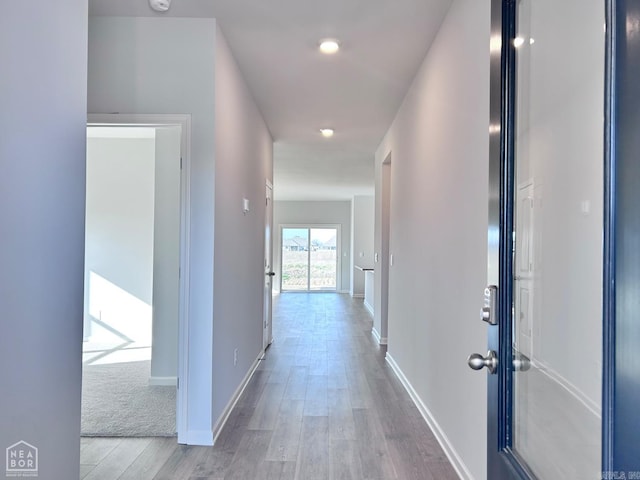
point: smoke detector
(160, 5)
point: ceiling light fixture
(329, 46)
(518, 42)
(326, 132)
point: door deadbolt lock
(488, 313)
(478, 362)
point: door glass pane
(558, 240)
(295, 258)
(324, 260)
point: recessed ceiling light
(329, 46)
(326, 132)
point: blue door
(563, 303)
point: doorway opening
(267, 328)
(310, 258)
(134, 290)
(386, 260)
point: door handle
(478, 362)
(521, 362)
(270, 274)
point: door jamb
(184, 121)
(269, 335)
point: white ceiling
(357, 91)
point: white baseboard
(164, 381)
(344, 291)
(444, 442)
(357, 295)
(578, 394)
(369, 307)
(375, 334)
(217, 429)
(200, 437)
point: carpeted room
(131, 261)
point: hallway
(322, 404)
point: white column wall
(244, 162)
(166, 65)
(362, 236)
(439, 146)
(43, 59)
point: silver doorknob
(478, 362)
(521, 362)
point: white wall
(182, 65)
(119, 239)
(166, 256)
(132, 246)
(243, 163)
(42, 155)
(166, 65)
(362, 240)
(439, 148)
(313, 213)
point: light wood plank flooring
(323, 404)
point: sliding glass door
(295, 259)
(309, 258)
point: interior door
(545, 306)
(267, 336)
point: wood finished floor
(323, 404)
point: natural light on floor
(119, 325)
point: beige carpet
(117, 401)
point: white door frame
(267, 334)
(184, 121)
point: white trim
(267, 308)
(199, 437)
(217, 428)
(163, 381)
(574, 391)
(343, 291)
(369, 307)
(184, 121)
(455, 459)
(357, 295)
(376, 335)
(378, 338)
